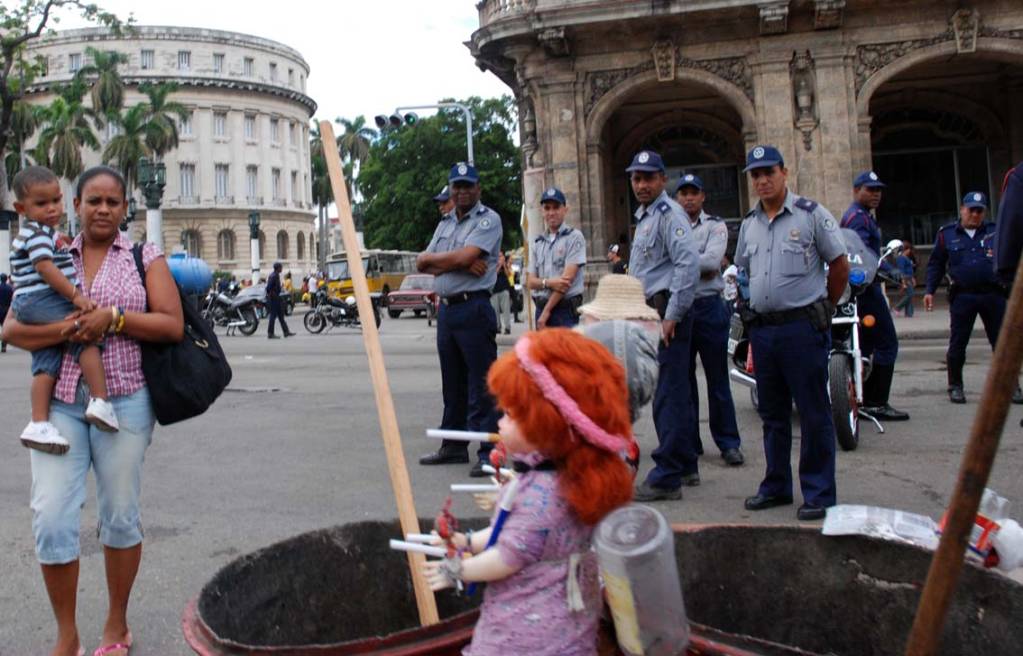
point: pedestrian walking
(711, 320)
(965, 251)
(906, 264)
(463, 256)
(665, 260)
(556, 260)
(273, 297)
(500, 297)
(880, 340)
(784, 244)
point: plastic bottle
(636, 549)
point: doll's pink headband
(565, 404)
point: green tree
(406, 167)
(107, 87)
(163, 115)
(24, 121)
(353, 144)
(129, 144)
(65, 130)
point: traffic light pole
(465, 113)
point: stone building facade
(244, 147)
(929, 93)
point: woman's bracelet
(121, 320)
(114, 316)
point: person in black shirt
(500, 296)
(617, 263)
(6, 294)
(273, 296)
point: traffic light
(395, 120)
(411, 118)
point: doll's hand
(458, 539)
(441, 574)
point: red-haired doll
(565, 427)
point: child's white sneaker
(44, 436)
(100, 414)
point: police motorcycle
(232, 312)
(334, 312)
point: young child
(46, 291)
(565, 427)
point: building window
(223, 181)
(218, 62)
(262, 245)
(185, 125)
(312, 246)
(74, 62)
(291, 83)
(301, 83)
(250, 127)
(294, 188)
(249, 66)
(252, 183)
(273, 72)
(291, 134)
(275, 130)
(191, 242)
(148, 59)
(300, 246)
(282, 245)
(184, 60)
(275, 183)
(225, 245)
(188, 183)
(219, 124)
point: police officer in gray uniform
(710, 323)
(463, 257)
(784, 243)
(664, 258)
(556, 260)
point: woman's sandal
(117, 646)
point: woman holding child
(124, 313)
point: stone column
(775, 116)
(836, 106)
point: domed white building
(244, 147)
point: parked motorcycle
(848, 370)
(335, 312)
(220, 309)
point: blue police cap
(646, 160)
(463, 172)
(443, 196)
(868, 179)
(763, 157)
(554, 194)
(975, 199)
(689, 180)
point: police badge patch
(679, 232)
(829, 224)
(484, 223)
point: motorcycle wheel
(844, 408)
(289, 309)
(251, 322)
(314, 322)
(394, 314)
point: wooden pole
(381, 388)
(527, 296)
(947, 564)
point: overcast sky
(366, 56)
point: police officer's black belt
(522, 468)
(542, 300)
(462, 297)
(781, 317)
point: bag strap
(136, 250)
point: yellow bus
(384, 272)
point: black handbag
(186, 377)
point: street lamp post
(152, 180)
(129, 216)
(254, 244)
(396, 120)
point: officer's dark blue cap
(868, 179)
(646, 160)
(463, 172)
(763, 157)
(554, 194)
(975, 199)
(689, 180)
(443, 196)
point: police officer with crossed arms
(784, 243)
(556, 260)
(463, 257)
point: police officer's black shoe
(810, 513)
(886, 413)
(691, 480)
(445, 457)
(733, 457)
(956, 395)
(647, 492)
(763, 502)
(273, 336)
(289, 334)
(1017, 396)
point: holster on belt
(659, 302)
(821, 314)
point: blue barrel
(192, 274)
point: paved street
(294, 446)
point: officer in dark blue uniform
(784, 243)
(880, 339)
(965, 250)
(463, 257)
(1009, 241)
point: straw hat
(619, 297)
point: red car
(416, 294)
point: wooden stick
(425, 600)
(947, 564)
(527, 298)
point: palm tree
(323, 195)
(163, 117)
(354, 142)
(65, 130)
(107, 89)
(25, 119)
(129, 144)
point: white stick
(424, 538)
(462, 436)
(471, 487)
(490, 470)
(400, 545)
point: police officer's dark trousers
(467, 345)
(879, 340)
(710, 340)
(963, 312)
(562, 316)
(676, 453)
(790, 361)
(276, 310)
